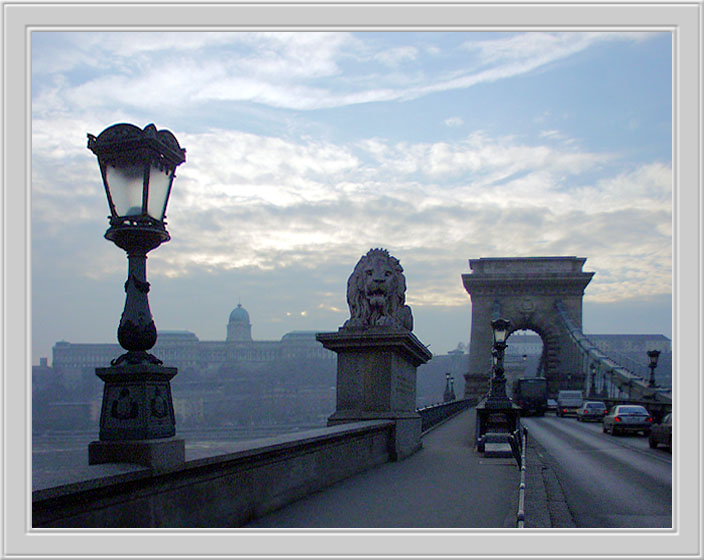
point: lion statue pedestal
(377, 354)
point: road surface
(608, 481)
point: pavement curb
(545, 502)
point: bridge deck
(445, 485)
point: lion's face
(379, 281)
(376, 293)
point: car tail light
(564, 410)
(617, 418)
(650, 419)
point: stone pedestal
(137, 423)
(376, 379)
(495, 418)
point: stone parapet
(220, 491)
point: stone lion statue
(376, 293)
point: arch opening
(524, 357)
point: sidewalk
(447, 484)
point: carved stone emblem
(527, 305)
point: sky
(306, 149)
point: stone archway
(524, 291)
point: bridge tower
(525, 291)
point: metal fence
(435, 414)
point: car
(552, 405)
(591, 410)
(661, 433)
(568, 402)
(624, 418)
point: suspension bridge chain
(620, 378)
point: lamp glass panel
(158, 191)
(125, 184)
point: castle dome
(238, 327)
(239, 315)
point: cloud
(281, 70)
(249, 201)
(398, 55)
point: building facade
(233, 382)
(183, 349)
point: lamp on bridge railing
(653, 355)
(592, 391)
(496, 414)
(138, 168)
(497, 392)
(446, 396)
(137, 422)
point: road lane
(608, 481)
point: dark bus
(531, 394)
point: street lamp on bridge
(137, 422)
(496, 414)
(447, 395)
(592, 389)
(497, 393)
(653, 355)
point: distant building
(236, 381)
(520, 343)
(183, 349)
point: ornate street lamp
(592, 389)
(653, 355)
(446, 396)
(137, 168)
(496, 414)
(497, 394)
(452, 389)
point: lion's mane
(376, 293)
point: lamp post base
(495, 417)
(153, 453)
(137, 422)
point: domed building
(184, 350)
(239, 328)
(237, 381)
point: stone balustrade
(221, 491)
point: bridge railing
(433, 415)
(622, 378)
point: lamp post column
(137, 331)
(446, 394)
(653, 355)
(592, 387)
